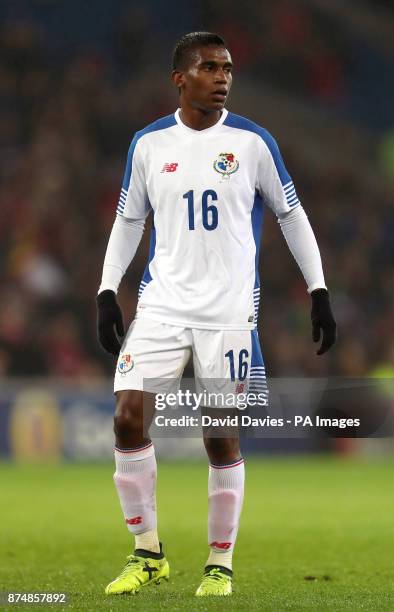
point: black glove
(109, 315)
(322, 319)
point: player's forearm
(302, 243)
(122, 245)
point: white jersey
(208, 190)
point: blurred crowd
(68, 111)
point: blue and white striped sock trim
(137, 449)
(228, 465)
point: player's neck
(197, 119)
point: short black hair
(189, 42)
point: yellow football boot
(217, 580)
(142, 568)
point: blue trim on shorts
(258, 380)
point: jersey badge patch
(226, 164)
(125, 363)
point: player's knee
(128, 414)
(222, 450)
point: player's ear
(178, 78)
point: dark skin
(203, 84)
(134, 413)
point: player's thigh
(152, 358)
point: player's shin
(225, 497)
(135, 481)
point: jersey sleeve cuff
(316, 286)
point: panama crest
(226, 164)
(125, 363)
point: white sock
(149, 540)
(225, 497)
(135, 481)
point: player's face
(206, 82)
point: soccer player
(207, 175)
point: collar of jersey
(207, 130)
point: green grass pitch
(316, 534)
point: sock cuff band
(228, 465)
(137, 449)
(128, 457)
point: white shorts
(154, 353)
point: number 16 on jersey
(209, 211)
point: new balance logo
(136, 520)
(222, 545)
(170, 167)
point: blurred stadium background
(77, 79)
